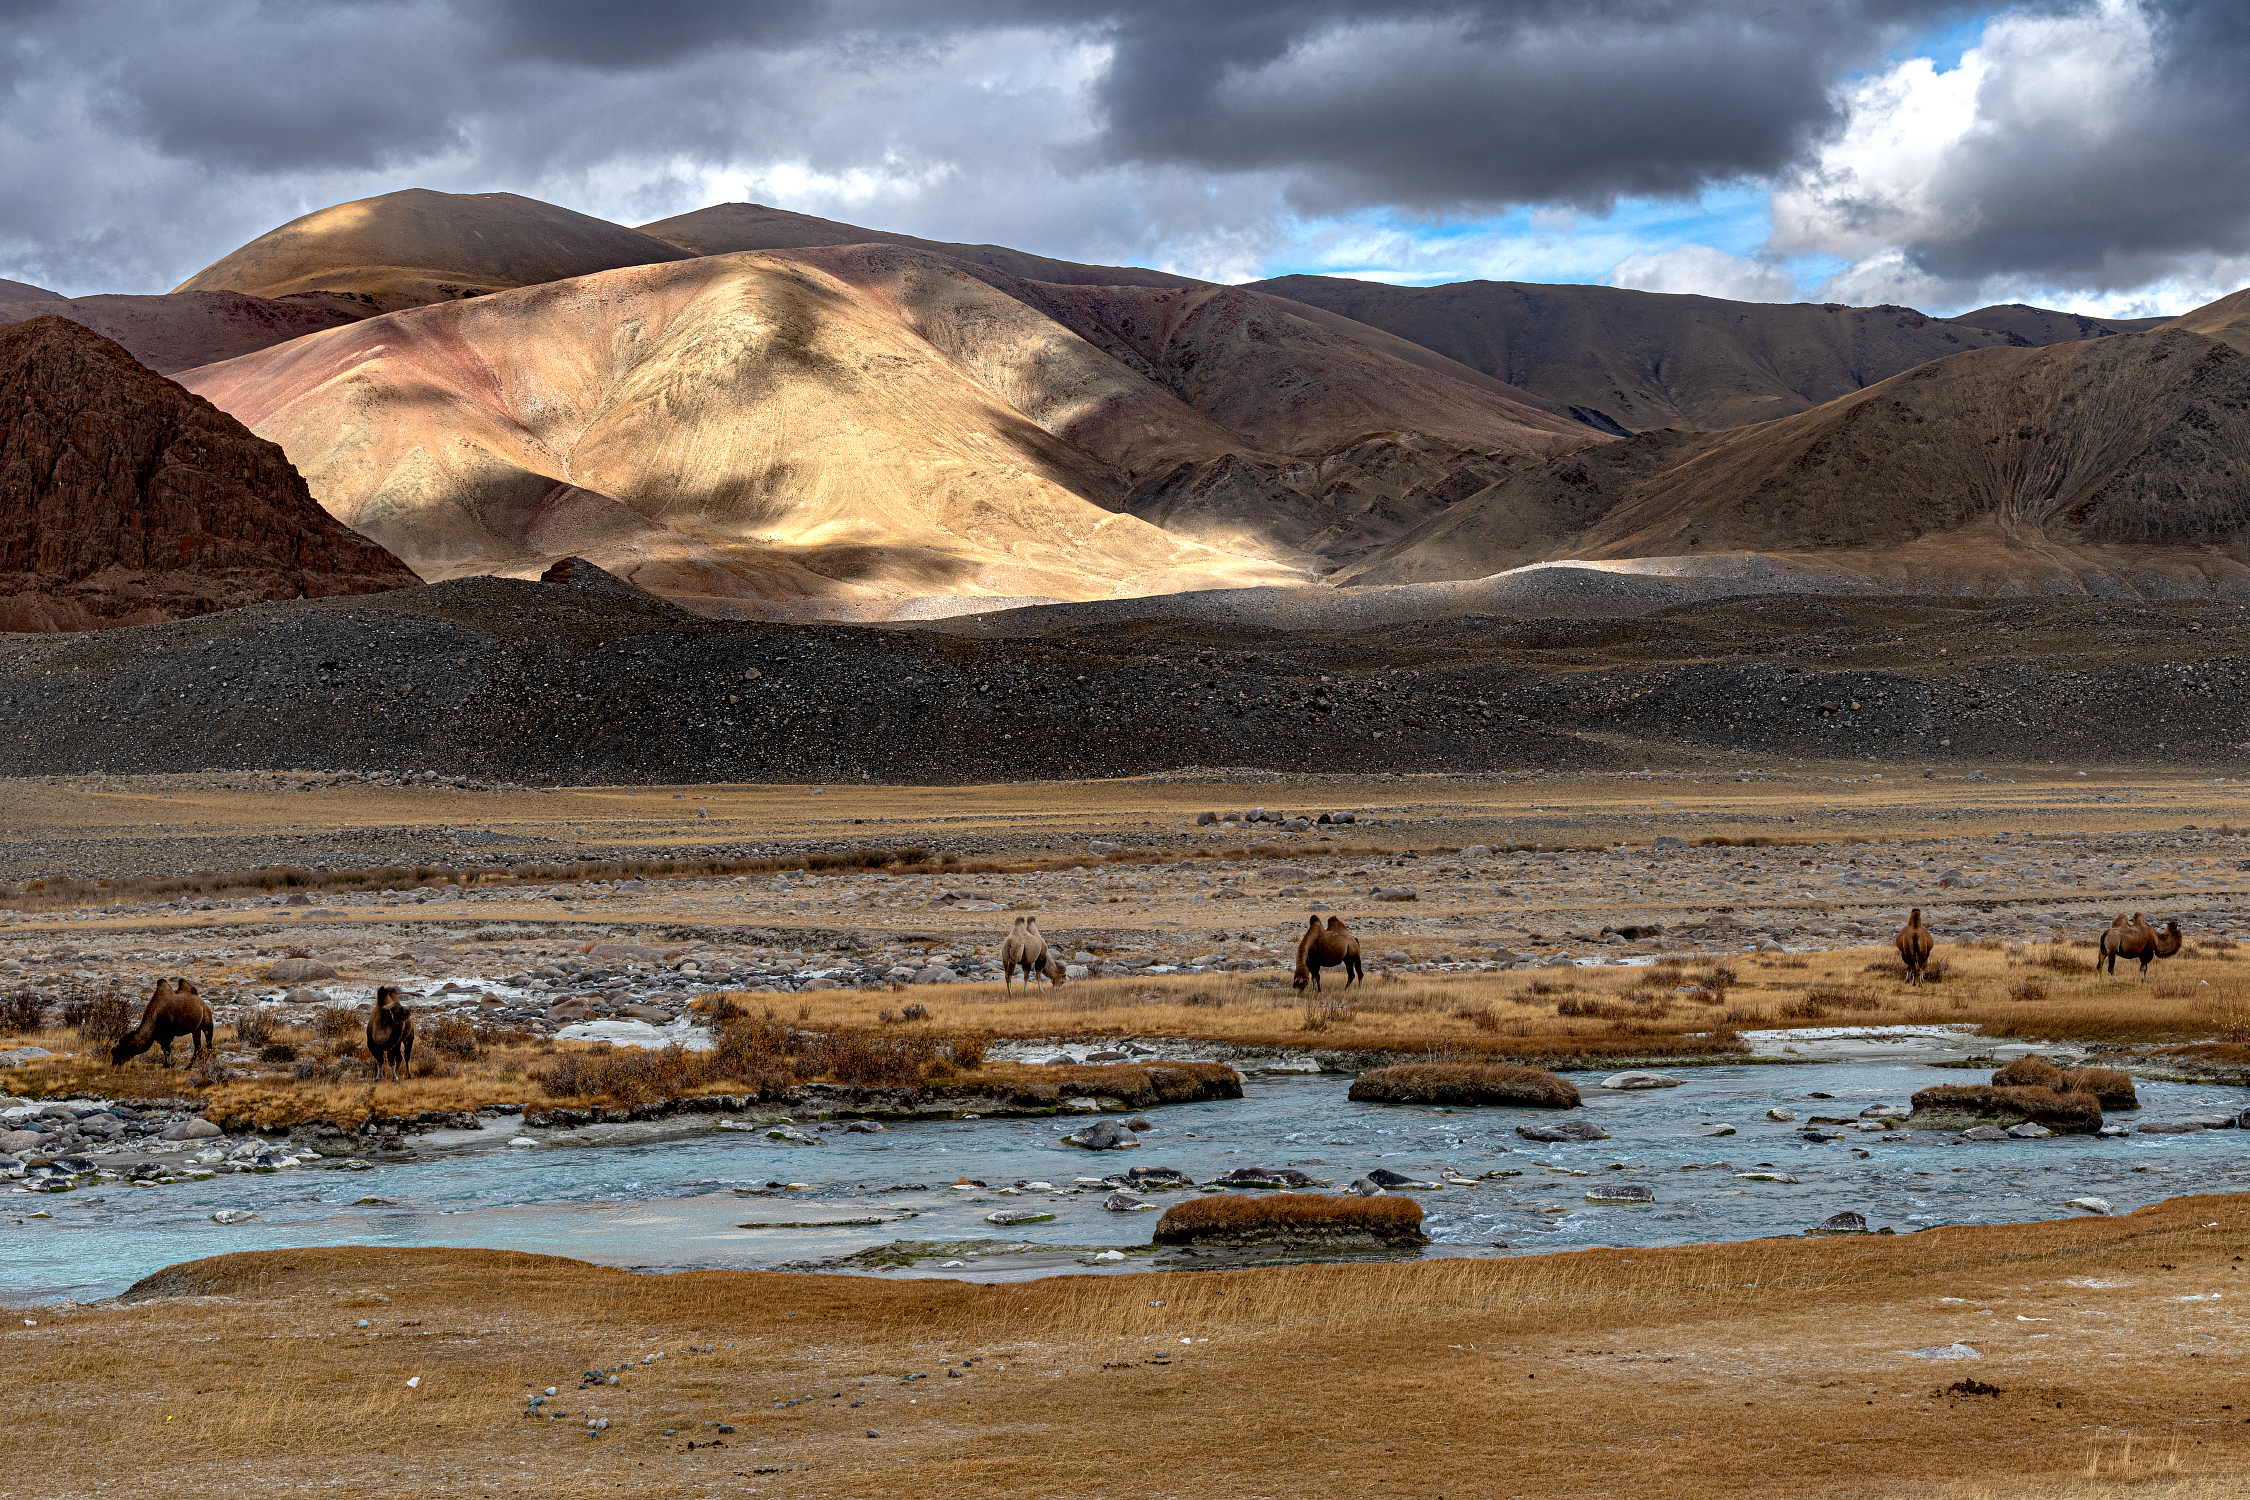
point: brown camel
(1914, 944)
(2130, 937)
(390, 1035)
(174, 1010)
(1026, 949)
(1326, 948)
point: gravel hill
(499, 677)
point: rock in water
(1126, 1203)
(1102, 1135)
(2091, 1204)
(126, 500)
(1632, 1080)
(1569, 1130)
(1621, 1192)
(1843, 1223)
(1384, 1177)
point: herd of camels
(175, 1009)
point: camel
(2132, 938)
(1914, 944)
(1326, 948)
(1026, 948)
(174, 1010)
(390, 1035)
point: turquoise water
(677, 1196)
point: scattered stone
(191, 1130)
(1635, 1080)
(1568, 1130)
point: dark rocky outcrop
(1465, 1084)
(126, 500)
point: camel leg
(166, 1044)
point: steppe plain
(1772, 1367)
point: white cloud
(1705, 271)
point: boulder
(1765, 1174)
(1384, 1177)
(1267, 1177)
(2090, 1204)
(191, 1130)
(20, 1142)
(2029, 1132)
(1153, 1177)
(1621, 1192)
(1568, 1130)
(1714, 1128)
(1102, 1135)
(1781, 1114)
(862, 1127)
(1846, 1222)
(1984, 1133)
(2169, 1127)
(297, 970)
(1634, 1080)
(1394, 893)
(1126, 1203)
(1017, 1216)
(1363, 1188)
(793, 1135)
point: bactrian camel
(1914, 945)
(1326, 948)
(390, 1035)
(174, 1010)
(1026, 949)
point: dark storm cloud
(1437, 105)
(139, 139)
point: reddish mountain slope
(181, 330)
(124, 499)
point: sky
(2085, 154)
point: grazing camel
(2130, 937)
(1914, 944)
(174, 1010)
(390, 1035)
(1026, 949)
(1326, 948)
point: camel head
(386, 998)
(1914, 917)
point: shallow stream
(685, 1192)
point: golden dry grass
(1763, 1369)
(1278, 1215)
(1465, 1083)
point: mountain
(2121, 462)
(180, 330)
(740, 433)
(724, 228)
(24, 291)
(124, 499)
(1627, 361)
(414, 247)
(2037, 327)
(2227, 320)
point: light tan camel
(1326, 948)
(174, 1010)
(390, 1035)
(1914, 945)
(1026, 949)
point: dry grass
(1465, 1083)
(1766, 1370)
(1245, 1217)
(2069, 1113)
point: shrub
(450, 1035)
(2027, 989)
(1608, 1010)
(1805, 1009)
(255, 1028)
(22, 1013)
(2060, 961)
(103, 1019)
(333, 1022)
(1246, 1217)
(277, 1052)
(914, 1012)
(1465, 1083)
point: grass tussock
(1466, 1084)
(2112, 1086)
(1239, 1218)
(1950, 1105)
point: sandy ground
(1763, 1369)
